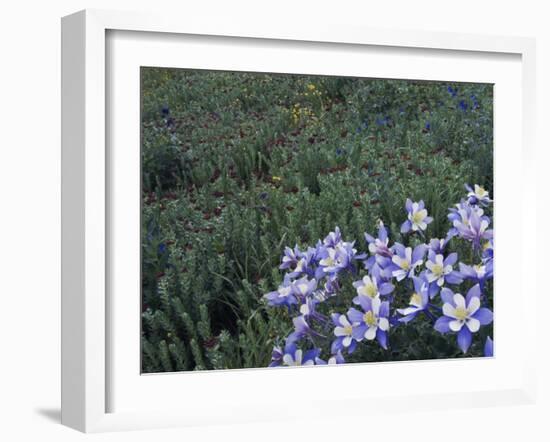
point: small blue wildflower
(452, 91)
(463, 315)
(463, 106)
(165, 110)
(475, 103)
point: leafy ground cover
(238, 166)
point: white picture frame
(86, 315)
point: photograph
(297, 220)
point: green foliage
(238, 165)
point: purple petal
(484, 316)
(475, 221)
(355, 315)
(382, 338)
(467, 271)
(451, 259)
(419, 252)
(442, 324)
(406, 226)
(364, 301)
(409, 205)
(336, 345)
(335, 318)
(474, 291)
(385, 288)
(464, 339)
(384, 309)
(409, 317)
(399, 249)
(433, 290)
(359, 331)
(454, 277)
(418, 282)
(447, 296)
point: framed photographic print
(239, 202)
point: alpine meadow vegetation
(303, 220)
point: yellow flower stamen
(370, 319)
(416, 299)
(461, 313)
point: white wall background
(30, 213)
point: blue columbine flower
(373, 321)
(344, 332)
(333, 260)
(369, 286)
(284, 295)
(333, 238)
(379, 246)
(428, 126)
(438, 245)
(479, 273)
(417, 215)
(474, 228)
(301, 329)
(463, 316)
(304, 265)
(463, 106)
(303, 287)
(290, 258)
(309, 308)
(469, 223)
(478, 195)
(379, 264)
(165, 110)
(406, 260)
(418, 301)
(295, 357)
(440, 270)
